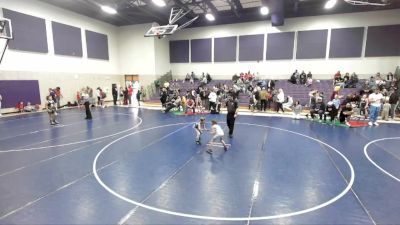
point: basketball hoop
(5, 35)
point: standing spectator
(212, 97)
(130, 92)
(263, 99)
(103, 96)
(232, 108)
(115, 94)
(375, 106)
(139, 92)
(85, 99)
(393, 100)
(121, 95)
(385, 111)
(303, 78)
(58, 96)
(280, 98)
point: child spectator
(20, 106)
(385, 111)
(364, 106)
(199, 128)
(297, 108)
(190, 106)
(217, 131)
(29, 107)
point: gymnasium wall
(54, 68)
(322, 68)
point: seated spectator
(288, 105)
(353, 80)
(208, 77)
(193, 76)
(309, 82)
(271, 84)
(190, 106)
(390, 76)
(29, 107)
(235, 78)
(292, 79)
(309, 75)
(330, 111)
(337, 77)
(187, 78)
(173, 104)
(303, 77)
(20, 106)
(345, 113)
(319, 108)
(372, 83)
(297, 108)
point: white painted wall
(69, 73)
(280, 69)
(27, 61)
(161, 48)
(136, 53)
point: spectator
(393, 101)
(303, 77)
(364, 106)
(20, 105)
(263, 99)
(288, 105)
(173, 104)
(319, 108)
(115, 94)
(385, 110)
(280, 98)
(346, 113)
(58, 96)
(297, 108)
(190, 106)
(374, 100)
(29, 107)
(232, 105)
(309, 75)
(293, 79)
(330, 111)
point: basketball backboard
(5, 28)
(160, 31)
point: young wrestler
(199, 128)
(52, 111)
(217, 131)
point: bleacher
(298, 92)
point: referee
(232, 108)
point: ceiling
(226, 11)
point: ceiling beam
(211, 6)
(184, 7)
(239, 6)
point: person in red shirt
(130, 92)
(20, 106)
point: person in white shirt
(217, 131)
(280, 98)
(212, 97)
(375, 101)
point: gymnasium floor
(277, 171)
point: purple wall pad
(29, 32)
(225, 49)
(280, 46)
(67, 40)
(14, 91)
(200, 50)
(383, 41)
(97, 45)
(179, 51)
(346, 42)
(311, 44)
(251, 47)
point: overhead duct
(277, 10)
(369, 2)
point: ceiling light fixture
(330, 4)
(210, 17)
(108, 9)
(159, 3)
(264, 10)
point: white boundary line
(77, 142)
(340, 195)
(372, 161)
